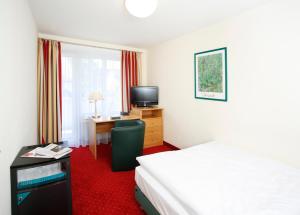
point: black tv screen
(144, 96)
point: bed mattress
(213, 179)
(160, 198)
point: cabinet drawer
(153, 139)
(153, 122)
(153, 133)
(104, 127)
(152, 142)
(153, 130)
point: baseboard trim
(170, 145)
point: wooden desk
(153, 118)
(102, 125)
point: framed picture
(211, 74)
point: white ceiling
(108, 21)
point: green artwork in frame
(211, 74)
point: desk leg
(92, 138)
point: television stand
(153, 118)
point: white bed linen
(160, 198)
(213, 179)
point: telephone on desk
(115, 117)
(124, 113)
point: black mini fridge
(40, 186)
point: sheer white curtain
(84, 70)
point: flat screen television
(144, 96)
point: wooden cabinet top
(147, 108)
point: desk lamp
(95, 97)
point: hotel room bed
(213, 179)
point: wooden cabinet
(153, 118)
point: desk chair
(127, 143)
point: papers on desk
(50, 151)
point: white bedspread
(213, 179)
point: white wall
(18, 120)
(144, 68)
(263, 110)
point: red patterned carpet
(98, 190)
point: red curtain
(129, 70)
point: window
(84, 70)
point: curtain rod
(89, 43)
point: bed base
(144, 202)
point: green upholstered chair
(127, 143)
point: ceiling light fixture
(141, 8)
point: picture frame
(210, 70)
